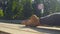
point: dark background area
(23, 9)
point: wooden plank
(17, 29)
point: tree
(8, 12)
(35, 7)
(27, 9)
(22, 9)
(50, 6)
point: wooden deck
(17, 29)
(21, 29)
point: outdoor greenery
(23, 9)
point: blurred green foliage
(23, 9)
(1, 13)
